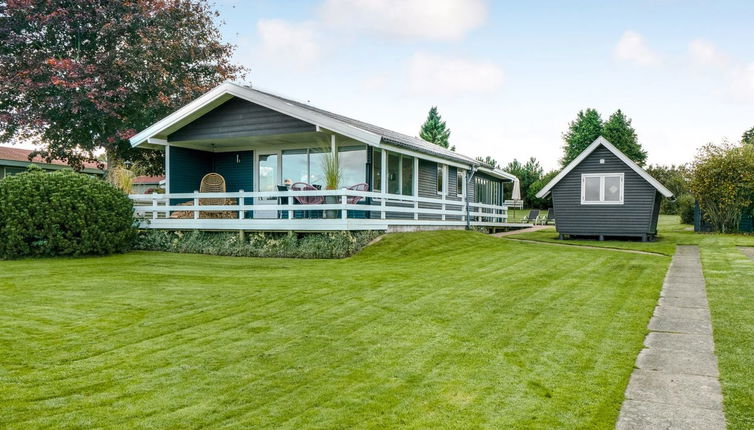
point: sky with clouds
(509, 76)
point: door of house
(267, 181)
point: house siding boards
(635, 217)
(240, 118)
(188, 167)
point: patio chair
(352, 200)
(212, 183)
(532, 217)
(307, 200)
(282, 201)
(545, 219)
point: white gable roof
(630, 163)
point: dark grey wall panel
(240, 118)
(633, 217)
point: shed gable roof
(601, 141)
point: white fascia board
(230, 89)
(602, 141)
(498, 173)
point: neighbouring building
(16, 160)
(603, 193)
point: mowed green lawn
(421, 330)
(730, 290)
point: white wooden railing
(280, 211)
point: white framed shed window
(602, 189)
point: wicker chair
(212, 183)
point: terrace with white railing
(320, 210)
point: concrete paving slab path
(748, 251)
(675, 383)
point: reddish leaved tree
(82, 75)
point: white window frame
(444, 190)
(461, 192)
(602, 177)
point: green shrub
(685, 204)
(289, 245)
(62, 213)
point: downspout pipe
(468, 187)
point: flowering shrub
(62, 213)
(290, 245)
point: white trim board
(630, 163)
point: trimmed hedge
(289, 245)
(63, 214)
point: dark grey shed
(603, 193)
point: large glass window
(295, 166)
(486, 191)
(317, 167)
(602, 188)
(268, 166)
(305, 165)
(377, 170)
(400, 174)
(407, 175)
(353, 161)
(393, 173)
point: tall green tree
(676, 179)
(618, 131)
(588, 126)
(527, 173)
(534, 188)
(488, 161)
(79, 76)
(748, 137)
(581, 133)
(722, 181)
(435, 130)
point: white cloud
(633, 48)
(705, 53)
(287, 41)
(433, 75)
(406, 19)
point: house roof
(148, 180)
(22, 155)
(353, 128)
(601, 141)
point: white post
(383, 185)
(333, 146)
(240, 203)
(415, 187)
(344, 200)
(290, 209)
(167, 169)
(443, 205)
(196, 204)
(383, 171)
(154, 206)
